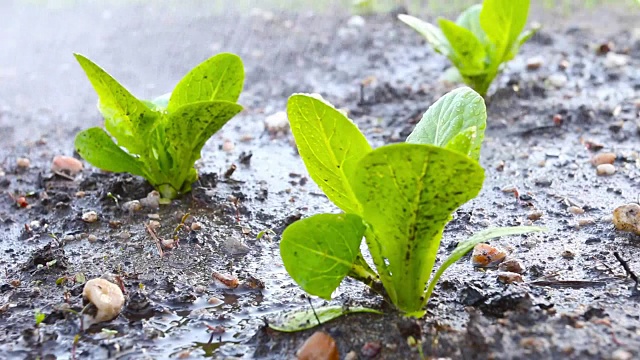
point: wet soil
(544, 126)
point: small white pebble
(69, 237)
(35, 225)
(90, 216)
(277, 123)
(605, 169)
(557, 80)
(196, 226)
(92, 238)
(23, 163)
(575, 210)
(621, 354)
(356, 21)
(614, 60)
(154, 216)
(200, 289)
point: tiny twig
(155, 238)
(576, 284)
(627, 269)
(230, 171)
(314, 311)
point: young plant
(163, 137)
(482, 38)
(398, 197)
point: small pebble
(107, 299)
(356, 21)
(66, 164)
(277, 123)
(512, 265)
(196, 226)
(575, 210)
(229, 281)
(351, 355)
(152, 201)
(167, 243)
(153, 216)
(80, 194)
(92, 238)
(15, 283)
(535, 215)
(627, 218)
(125, 235)
(69, 237)
(586, 221)
(371, 349)
(23, 163)
(621, 354)
(154, 224)
(319, 346)
(214, 301)
(557, 80)
(605, 169)
(228, 146)
(509, 277)
(568, 254)
(485, 255)
(614, 60)
(200, 289)
(535, 62)
(603, 158)
(132, 206)
(90, 216)
(563, 64)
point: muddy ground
(544, 126)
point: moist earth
(573, 92)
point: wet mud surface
(544, 127)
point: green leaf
(160, 103)
(127, 119)
(218, 78)
(523, 38)
(408, 192)
(456, 121)
(469, 54)
(189, 127)
(432, 34)
(503, 21)
(96, 146)
(330, 146)
(470, 20)
(319, 251)
(39, 316)
(466, 245)
(306, 319)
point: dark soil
(576, 301)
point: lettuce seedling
(482, 38)
(398, 197)
(163, 137)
